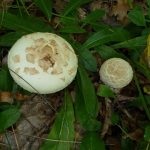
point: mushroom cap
(42, 63)
(116, 73)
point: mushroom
(42, 63)
(116, 73)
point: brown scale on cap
(30, 58)
(57, 70)
(39, 42)
(16, 58)
(71, 71)
(53, 43)
(47, 55)
(30, 50)
(46, 62)
(30, 70)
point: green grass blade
(62, 133)
(134, 43)
(45, 6)
(106, 35)
(10, 38)
(24, 24)
(92, 141)
(73, 5)
(89, 95)
(82, 116)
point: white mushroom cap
(116, 73)
(42, 63)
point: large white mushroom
(42, 63)
(116, 73)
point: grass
(94, 42)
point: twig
(16, 140)
(53, 140)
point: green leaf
(6, 82)
(148, 2)
(104, 36)
(82, 116)
(8, 117)
(107, 52)
(86, 58)
(105, 91)
(138, 42)
(147, 133)
(142, 68)
(72, 29)
(62, 134)
(45, 6)
(92, 141)
(89, 95)
(10, 38)
(137, 16)
(94, 16)
(73, 5)
(24, 24)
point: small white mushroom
(39, 61)
(116, 73)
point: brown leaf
(135, 135)
(120, 10)
(21, 97)
(6, 97)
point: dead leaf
(21, 97)
(135, 135)
(120, 10)
(6, 96)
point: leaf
(63, 129)
(72, 29)
(148, 2)
(73, 5)
(89, 95)
(107, 52)
(104, 36)
(94, 16)
(92, 141)
(105, 91)
(8, 117)
(86, 58)
(24, 24)
(45, 6)
(82, 116)
(138, 42)
(147, 133)
(6, 82)
(10, 38)
(137, 16)
(120, 10)
(142, 68)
